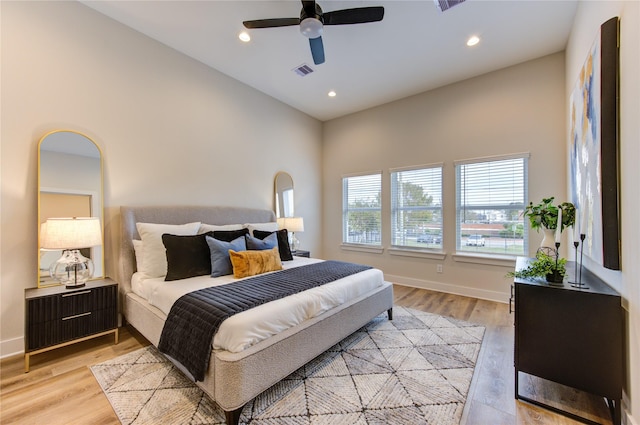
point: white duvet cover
(245, 329)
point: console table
(572, 336)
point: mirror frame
(99, 213)
(278, 207)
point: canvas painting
(585, 138)
(593, 137)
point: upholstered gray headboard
(219, 215)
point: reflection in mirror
(69, 185)
(283, 195)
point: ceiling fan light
(311, 28)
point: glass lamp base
(72, 269)
(295, 243)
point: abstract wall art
(594, 148)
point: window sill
(362, 248)
(434, 255)
(492, 260)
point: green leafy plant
(545, 214)
(543, 266)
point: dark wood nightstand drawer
(79, 302)
(71, 303)
(56, 316)
(68, 328)
(300, 253)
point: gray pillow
(220, 261)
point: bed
(233, 377)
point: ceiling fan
(312, 20)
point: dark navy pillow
(229, 235)
(187, 256)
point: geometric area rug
(415, 369)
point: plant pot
(555, 277)
(549, 239)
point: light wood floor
(60, 389)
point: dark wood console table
(572, 336)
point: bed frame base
(232, 417)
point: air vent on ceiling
(303, 70)
(444, 5)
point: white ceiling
(415, 47)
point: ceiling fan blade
(358, 15)
(317, 50)
(271, 23)
(309, 8)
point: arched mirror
(283, 195)
(69, 185)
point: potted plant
(550, 267)
(544, 215)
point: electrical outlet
(439, 268)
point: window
(491, 194)
(361, 209)
(416, 207)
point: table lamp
(293, 225)
(69, 235)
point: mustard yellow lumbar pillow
(251, 263)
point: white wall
(589, 16)
(517, 109)
(172, 131)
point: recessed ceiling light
(332, 94)
(244, 36)
(473, 40)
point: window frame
(460, 249)
(360, 246)
(394, 209)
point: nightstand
(300, 253)
(56, 316)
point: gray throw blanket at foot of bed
(194, 318)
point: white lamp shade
(292, 224)
(70, 233)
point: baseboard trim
(11, 347)
(483, 294)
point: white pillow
(139, 250)
(154, 253)
(271, 226)
(204, 228)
